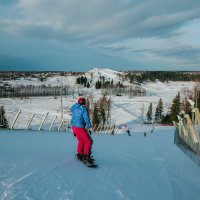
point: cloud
(102, 21)
(134, 31)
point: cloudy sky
(77, 35)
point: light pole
(61, 103)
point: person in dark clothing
(128, 131)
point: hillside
(69, 78)
(35, 165)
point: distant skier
(81, 119)
(127, 130)
(152, 128)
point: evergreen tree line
(101, 83)
(159, 116)
(82, 80)
(9, 75)
(31, 90)
(101, 112)
(3, 120)
(162, 76)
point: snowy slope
(41, 166)
(69, 80)
(107, 73)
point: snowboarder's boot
(88, 160)
(80, 156)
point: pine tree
(166, 119)
(175, 108)
(3, 120)
(98, 85)
(149, 113)
(88, 85)
(78, 80)
(85, 81)
(159, 111)
(82, 80)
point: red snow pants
(84, 140)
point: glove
(90, 132)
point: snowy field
(42, 165)
(124, 109)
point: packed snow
(42, 165)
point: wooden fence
(49, 122)
(188, 129)
(54, 123)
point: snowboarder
(81, 119)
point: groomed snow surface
(42, 166)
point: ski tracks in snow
(122, 195)
(8, 186)
(67, 195)
(133, 114)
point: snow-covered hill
(56, 80)
(41, 166)
(108, 74)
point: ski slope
(42, 165)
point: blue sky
(77, 35)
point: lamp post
(61, 103)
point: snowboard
(94, 165)
(90, 165)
